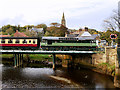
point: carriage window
(17, 41)
(29, 41)
(3, 41)
(34, 42)
(10, 41)
(24, 41)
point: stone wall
(109, 57)
(66, 59)
(107, 62)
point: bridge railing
(70, 49)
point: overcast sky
(78, 13)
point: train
(19, 43)
(49, 43)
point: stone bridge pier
(117, 69)
(18, 60)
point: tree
(5, 27)
(113, 23)
(31, 33)
(55, 24)
(28, 26)
(62, 31)
(56, 30)
(44, 26)
(10, 31)
(92, 31)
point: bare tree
(113, 23)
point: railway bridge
(18, 54)
(108, 55)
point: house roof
(37, 29)
(4, 35)
(19, 34)
(86, 33)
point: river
(29, 77)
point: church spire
(63, 20)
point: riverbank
(30, 77)
(103, 68)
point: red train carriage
(19, 43)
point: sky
(78, 13)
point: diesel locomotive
(67, 44)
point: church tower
(63, 22)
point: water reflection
(48, 78)
(29, 78)
(36, 72)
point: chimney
(17, 31)
(80, 29)
(86, 28)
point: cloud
(47, 11)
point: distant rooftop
(37, 29)
(86, 33)
(4, 35)
(19, 34)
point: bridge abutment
(106, 63)
(117, 69)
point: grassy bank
(35, 57)
(107, 68)
(103, 68)
(40, 57)
(6, 55)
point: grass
(36, 57)
(40, 57)
(108, 67)
(6, 55)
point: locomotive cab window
(49, 42)
(24, 41)
(10, 41)
(17, 41)
(3, 41)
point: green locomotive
(67, 44)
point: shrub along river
(46, 77)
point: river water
(28, 77)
